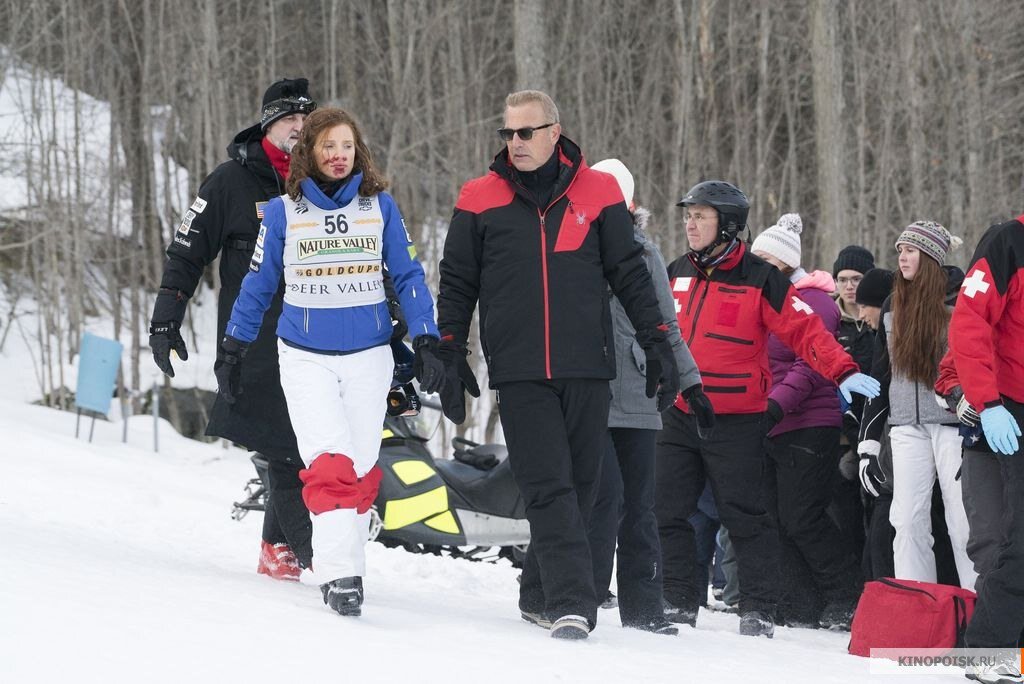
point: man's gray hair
(527, 96)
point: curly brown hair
(304, 164)
(920, 321)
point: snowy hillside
(53, 137)
(121, 565)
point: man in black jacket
(224, 219)
(537, 241)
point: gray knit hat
(931, 238)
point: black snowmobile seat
(492, 491)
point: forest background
(861, 115)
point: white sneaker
(999, 673)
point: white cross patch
(975, 284)
(682, 285)
(801, 305)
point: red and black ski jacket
(725, 317)
(541, 274)
(987, 326)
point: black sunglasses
(525, 133)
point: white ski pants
(337, 406)
(920, 453)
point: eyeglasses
(843, 281)
(525, 133)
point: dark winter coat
(858, 339)
(725, 317)
(903, 401)
(806, 398)
(541, 274)
(631, 407)
(225, 220)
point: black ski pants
(982, 480)
(286, 518)
(802, 465)
(625, 511)
(878, 558)
(733, 460)
(555, 432)
(999, 614)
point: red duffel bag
(896, 613)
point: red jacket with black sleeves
(725, 317)
(986, 332)
(541, 274)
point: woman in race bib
(331, 237)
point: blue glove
(861, 384)
(1001, 430)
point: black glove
(772, 415)
(702, 410)
(164, 335)
(403, 401)
(399, 327)
(228, 368)
(456, 377)
(958, 404)
(871, 476)
(427, 366)
(661, 369)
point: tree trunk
(829, 131)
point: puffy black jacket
(225, 219)
(541, 273)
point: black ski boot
(344, 595)
(658, 625)
(757, 623)
(838, 616)
(681, 616)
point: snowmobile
(464, 507)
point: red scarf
(278, 159)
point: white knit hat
(782, 240)
(619, 171)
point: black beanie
(874, 287)
(855, 258)
(287, 96)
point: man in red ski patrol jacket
(727, 302)
(985, 342)
(537, 242)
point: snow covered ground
(123, 565)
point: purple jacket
(807, 399)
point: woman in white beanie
(925, 441)
(820, 576)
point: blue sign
(98, 363)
